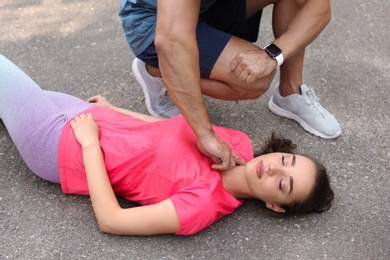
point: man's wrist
(275, 52)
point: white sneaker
(307, 111)
(157, 99)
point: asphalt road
(78, 47)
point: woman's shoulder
(239, 141)
(202, 203)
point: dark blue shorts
(215, 28)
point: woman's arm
(155, 219)
(103, 102)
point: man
(191, 48)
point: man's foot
(157, 99)
(307, 111)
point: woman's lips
(260, 169)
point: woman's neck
(235, 182)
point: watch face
(273, 50)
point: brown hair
(321, 196)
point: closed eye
(293, 160)
(291, 184)
(283, 159)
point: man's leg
(292, 69)
(223, 84)
(158, 102)
(283, 12)
(217, 47)
(241, 21)
(218, 82)
(293, 99)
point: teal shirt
(139, 21)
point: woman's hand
(160, 218)
(99, 100)
(85, 129)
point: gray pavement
(78, 47)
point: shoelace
(164, 98)
(311, 98)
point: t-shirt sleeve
(192, 212)
(238, 141)
(199, 207)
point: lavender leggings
(34, 118)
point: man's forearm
(178, 54)
(182, 79)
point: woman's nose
(272, 169)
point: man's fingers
(218, 167)
(233, 65)
(223, 165)
(244, 75)
(238, 160)
(234, 160)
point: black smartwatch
(275, 52)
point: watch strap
(279, 59)
(271, 52)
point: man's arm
(178, 54)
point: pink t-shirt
(150, 162)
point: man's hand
(221, 154)
(85, 129)
(99, 101)
(251, 65)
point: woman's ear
(275, 207)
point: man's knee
(253, 91)
(257, 88)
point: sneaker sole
(140, 80)
(287, 114)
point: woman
(93, 148)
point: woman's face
(280, 178)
